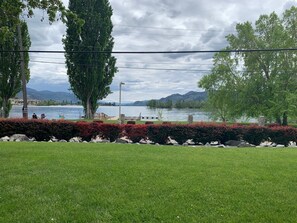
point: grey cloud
(183, 25)
(289, 4)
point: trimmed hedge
(135, 132)
(43, 130)
(89, 130)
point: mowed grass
(43, 182)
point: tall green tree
(90, 74)
(10, 13)
(267, 81)
(10, 69)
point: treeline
(65, 102)
(53, 102)
(178, 104)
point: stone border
(125, 140)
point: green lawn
(43, 182)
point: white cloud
(150, 25)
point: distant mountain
(139, 103)
(49, 95)
(190, 96)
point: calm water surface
(74, 112)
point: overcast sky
(152, 25)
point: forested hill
(49, 95)
(190, 96)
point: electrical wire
(132, 68)
(154, 52)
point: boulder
(280, 146)
(4, 139)
(19, 138)
(146, 141)
(171, 141)
(190, 142)
(245, 144)
(215, 143)
(98, 139)
(292, 144)
(54, 139)
(32, 139)
(233, 143)
(63, 140)
(121, 141)
(75, 139)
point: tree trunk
(285, 119)
(5, 108)
(87, 116)
(89, 113)
(278, 120)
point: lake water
(74, 112)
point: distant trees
(257, 83)
(90, 74)
(159, 104)
(10, 69)
(178, 104)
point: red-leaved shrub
(199, 133)
(135, 132)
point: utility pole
(24, 81)
(120, 102)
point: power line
(155, 52)
(165, 69)
(181, 29)
(132, 68)
(135, 62)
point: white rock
(20, 137)
(171, 141)
(75, 139)
(54, 139)
(146, 141)
(121, 141)
(5, 139)
(32, 139)
(280, 146)
(125, 138)
(215, 143)
(190, 142)
(266, 144)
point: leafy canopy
(257, 83)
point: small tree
(90, 74)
